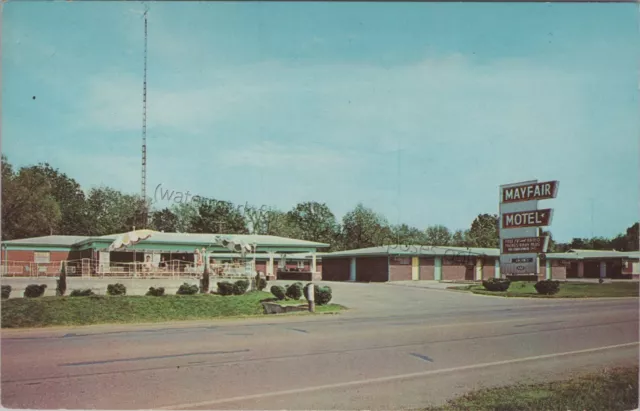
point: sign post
(520, 222)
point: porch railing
(87, 267)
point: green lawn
(611, 390)
(57, 311)
(567, 290)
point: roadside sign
(525, 245)
(529, 191)
(529, 218)
(520, 222)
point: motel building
(163, 255)
(175, 255)
(416, 262)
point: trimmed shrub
(225, 288)
(116, 289)
(321, 294)
(85, 292)
(240, 287)
(294, 291)
(547, 287)
(34, 290)
(62, 281)
(278, 292)
(6, 291)
(496, 284)
(156, 292)
(187, 289)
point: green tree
(404, 235)
(164, 220)
(438, 235)
(460, 238)
(29, 208)
(216, 216)
(70, 198)
(362, 227)
(484, 231)
(314, 222)
(186, 214)
(110, 211)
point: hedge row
(322, 294)
(545, 287)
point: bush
(278, 292)
(6, 291)
(34, 290)
(116, 289)
(225, 288)
(62, 281)
(240, 287)
(85, 292)
(496, 284)
(187, 289)
(321, 294)
(156, 292)
(294, 291)
(547, 287)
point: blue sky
(418, 110)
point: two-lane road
(398, 348)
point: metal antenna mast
(143, 190)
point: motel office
(88, 256)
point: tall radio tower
(143, 188)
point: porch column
(313, 262)
(270, 265)
(496, 272)
(580, 269)
(437, 269)
(603, 269)
(479, 269)
(352, 269)
(548, 270)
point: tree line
(40, 200)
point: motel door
(415, 268)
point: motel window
(403, 260)
(41, 257)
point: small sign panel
(532, 218)
(524, 245)
(521, 260)
(528, 192)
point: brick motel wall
(373, 269)
(336, 269)
(28, 256)
(456, 272)
(427, 268)
(489, 268)
(399, 272)
(261, 266)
